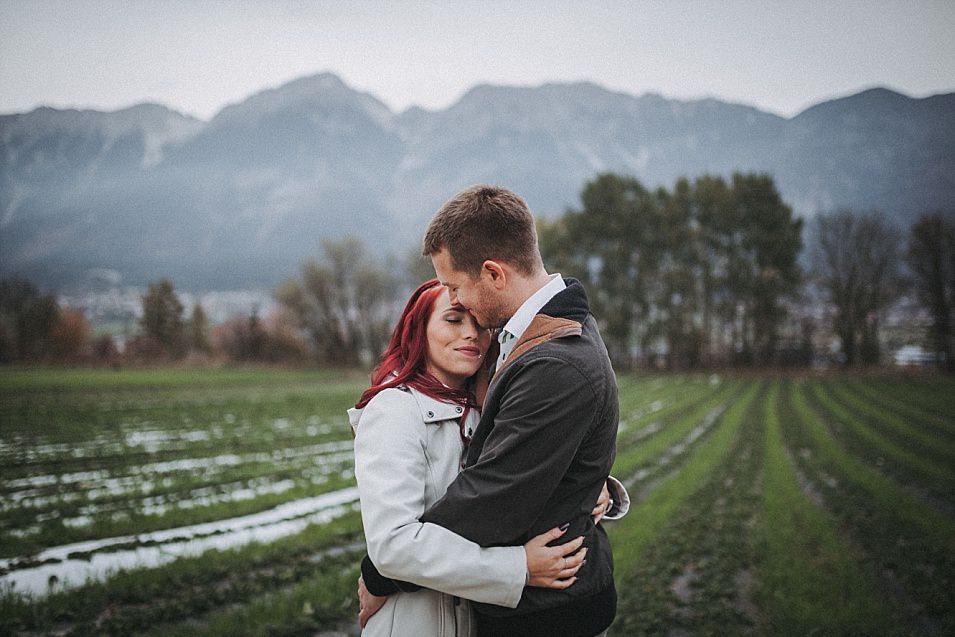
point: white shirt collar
(529, 309)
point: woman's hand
(553, 566)
(368, 604)
(604, 504)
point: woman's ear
(494, 273)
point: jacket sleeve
(546, 412)
(381, 586)
(392, 470)
(620, 497)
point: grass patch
(809, 582)
(675, 425)
(913, 434)
(878, 444)
(909, 545)
(692, 578)
(646, 519)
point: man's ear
(495, 273)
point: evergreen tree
(27, 321)
(199, 330)
(162, 320)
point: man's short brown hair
(485, 222)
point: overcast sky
(197, 56)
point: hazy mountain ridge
(242, 199)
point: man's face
(477, 295)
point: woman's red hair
(405, 360)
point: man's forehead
(446, 272)
(449, 278)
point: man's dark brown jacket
(539, 457)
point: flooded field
(189, 502)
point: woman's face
(456, 345)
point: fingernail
(564, 527)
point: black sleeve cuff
(381, 586)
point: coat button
(459, 410)
(430, 414)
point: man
(546, 439)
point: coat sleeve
(621, 499)
(392, 470)
(547, 411)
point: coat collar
(570, 303)
(431, 409)
(434, 410)
(542, 329)
(561, 317)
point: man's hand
(604, 504)
(553, 566)
(368, 604)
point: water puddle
(677, 449)
(682, 586)
(97, 484)
(72, 565)
(635, 416)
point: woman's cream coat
(407, 451)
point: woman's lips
(470, 351)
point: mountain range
(240, 200)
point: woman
(411, 429)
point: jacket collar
(570, 303)
(432, 410)
(562, 316)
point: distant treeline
(712, 273)
(718, 273)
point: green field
(764, 506)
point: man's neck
(525, 287)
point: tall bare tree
(345, 304)
(856, 261)
(931, 257)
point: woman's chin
(474, 370)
